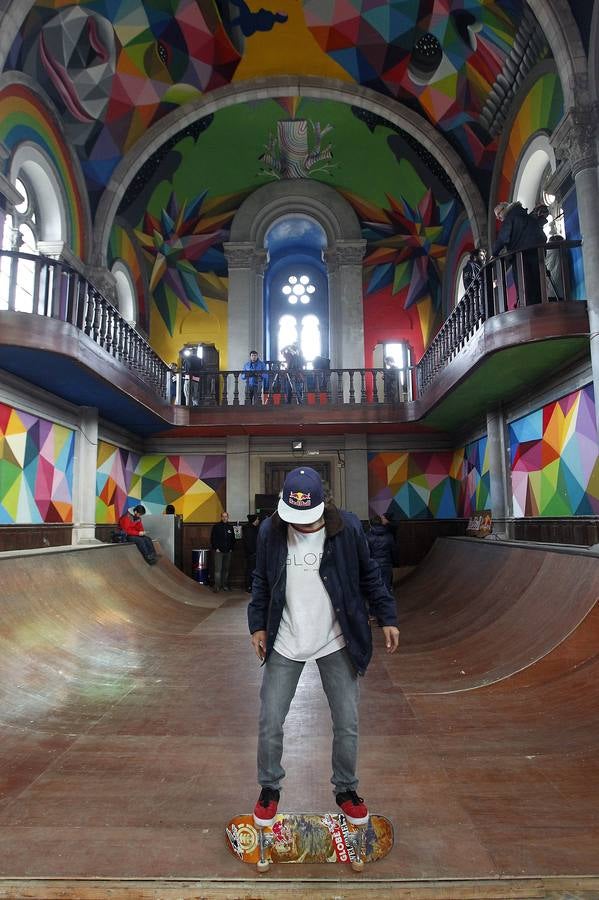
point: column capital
(245, 255)
(575, 138)
(344, 253)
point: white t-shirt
(309, 628)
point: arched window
(20, 233)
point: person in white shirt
(313, 585)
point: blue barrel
(199, 565)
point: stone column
(238, 478)
(499, 470)
(575, 142)
(356, 475)
(84, 477)
(344, 262)
(245, 313)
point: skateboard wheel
(358, 865)
(263, 865)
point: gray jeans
(222, 563)
(340, 683)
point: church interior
(237, 239)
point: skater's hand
(259, 644)
(391, 633)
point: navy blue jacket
(382, 544)
(349, 575)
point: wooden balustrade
(60, 292)
(493, 294)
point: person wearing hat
(313, 584)
(133, 527)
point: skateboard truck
(356, 840)
(265, 840)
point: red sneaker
(265, 809)
(354, 808)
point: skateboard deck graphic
(309, 838)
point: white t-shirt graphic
(309, 628)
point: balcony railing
(336, 387)
(494, 293)
(43, 286)
(36, 284)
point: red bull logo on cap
(300, 499)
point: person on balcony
(294, 369)
(255, 375)
(472, 275)
(132, 526)
(520, 232)
(391, 380)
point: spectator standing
(294, 366)
(382, 547)
(222, 541)
(133, 527)
(391, 380)
(249, 536)
(520, 231)
(255, 375)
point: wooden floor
(128, 710)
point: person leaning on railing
(521, 232)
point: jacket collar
(333, 522)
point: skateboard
(309, 838)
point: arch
(30, 160)
(125, 291)
(343, 257)
(317, 88)
(560, 28)
(538, 154)
(594, 56)
(317, 201)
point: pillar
(238, 478)
(84, 477)
(246, 309)
(575, 142)
(356, 475)
(499, 470)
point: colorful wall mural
(194, 483)
(25, 118)
(36, 469)
(554, 458)
(181, 213)
(541, 110)
(429, 485)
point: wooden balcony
(64, 336)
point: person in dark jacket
(382, 547)
(222, 541)
(313, 578)
(249, 536)
(520, 230)
(130, 523)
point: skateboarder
(130, 522)
(314, 576)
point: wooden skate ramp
(77, 627)
(477, 612)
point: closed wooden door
(276, 472)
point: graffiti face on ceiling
(114, 67)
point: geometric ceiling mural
(554, 458)
(36, 469)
